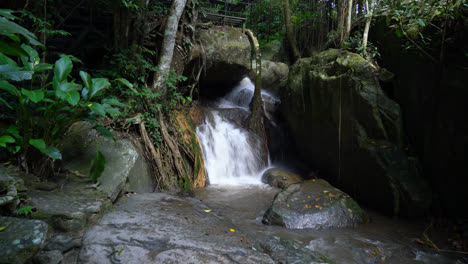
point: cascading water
(232, 156)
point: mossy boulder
(227, 53)
(314, 204)
(344, 125)
(21, 239)
(280, 178)
(126, 168)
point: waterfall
(232, 156)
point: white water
(231, 157)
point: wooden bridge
(224, 13)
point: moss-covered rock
(314, 204)
(21, 239)
(344, 125)
(274, 75)
(280, 178)
(227, 52)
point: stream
(237, 193)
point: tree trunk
(290, 32)
(348, 19)
(370, 9)
(167, 49)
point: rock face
(126, 169)
(279, 178)
(227, 52)
(344, 125)
(314, 204)
(151, 228)
(21, 239)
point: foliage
(24, 210)
(97, 166)
(44, 112)
(354, 43)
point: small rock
(61, 243)
(49, 257)
(46, 186)
(280, 178)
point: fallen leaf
(318, 198)
(318, 207)
(331, 195)
(232, 230)
(313, 180)
(325, 191)
(207, 210)
(308, 206)
(5, 226)
(120, 251)
(308, 196)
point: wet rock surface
(280, 178)
(159, 228)
(70, 208)
(314, 204)
(21, 239)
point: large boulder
(227, 53)
(274, 75)
(126, 168)
(344, 125)
(21, 239)
(280, 178)
(314, 204)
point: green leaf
(104, 131)
(6, 139)
(13, 130)
(11, 48)
(114, 101)
(111, 110)
(97, 84)
(38, 143)
(6, 13)
(14, 73)
(62, 69)
(86, 79)
(97, 108)
(420, 22)
(5, 103)
(68, 87)
(73, 97)
(35, 95)
(8, 28)
(5, 60)
(4, 85)
(97, 166)
(52, 152)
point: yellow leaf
(331, 195)
(207, 211)
(232, 230)
(5, 226)
(325, 191)
(318, 207)
(90, 105)
(313, 180)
